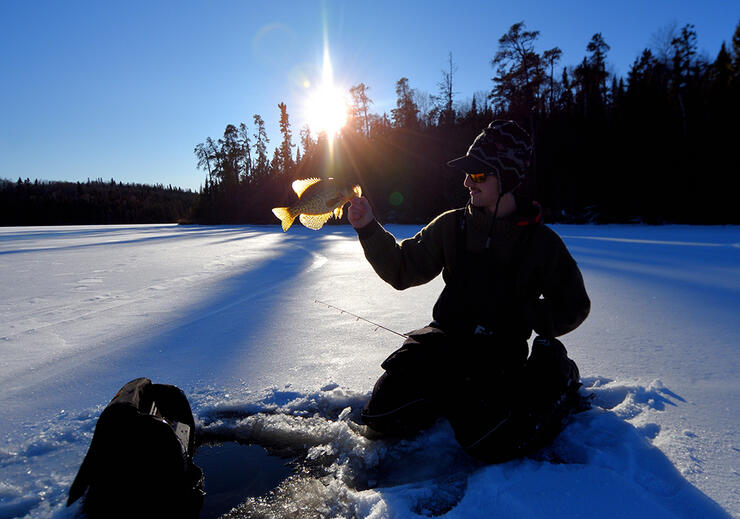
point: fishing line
(341, 311)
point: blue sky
(125, 90)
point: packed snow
(229, 314)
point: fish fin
(338, 212)
(285, 216)
(299, 186)
(357, 190)
(315, 221)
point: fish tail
(285, 215)
(357, 190)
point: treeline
(92, 202)
(655, 146)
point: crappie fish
(318, 200)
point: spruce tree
(287, 164)
(360, 104)
(262, 166)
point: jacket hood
(528, 212)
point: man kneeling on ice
(505, 275)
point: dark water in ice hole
(233, 472)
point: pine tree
(722, 71)
(245, 155)
(684, 49)
(551, 57)
(447, 94)
(287, 165)
(598, 49)
(262, 166)
(405, 115)
(565, 100)
(736, 51)
(360, 103)
(519, 73)
(307, 142)
(230, 157)
(591, 76)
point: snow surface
(228, 314)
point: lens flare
(327, 106)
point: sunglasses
(480, 177)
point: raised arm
(412, 262)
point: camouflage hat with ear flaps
(503, 148)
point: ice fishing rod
(341, 311)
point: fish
(318, 200)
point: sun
(327, 105)
(327, 109)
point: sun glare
(327, 104)
(327, 110)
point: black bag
(140, 460)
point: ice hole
(234, 472)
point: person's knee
(397, 407)
(406, 419)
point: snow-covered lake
(229, 315)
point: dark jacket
(524, 280)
